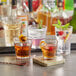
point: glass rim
(45, 27)
(70, 27)
(52, 41)
(16, 40)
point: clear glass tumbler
(67, 42)
(12, 27)
(64, 40)
(49, 48)
(36, 35)
(22, 49)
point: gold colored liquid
(22, 51)
(47, 53)
(11, 31)
(47, 21)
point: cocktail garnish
(42, 43)
(67, 36)
(59, 25)
(22, 38)
(61, 33)
(40, 25)
(65, 26)
(51, 48)
(64, 38)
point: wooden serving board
(57, 60)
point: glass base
(66, 52)
(46, 58)
(22, 57)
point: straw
(67, 37)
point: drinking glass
(12, 27)
(67, 43)
(64, 38)
(22, 49)
(36, 35)
(49, 48)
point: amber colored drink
(48, 21)
(22, 51)
(49, 51)
(41, 16)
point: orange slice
(42, 43)
(22, 38)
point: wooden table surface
(67, 69)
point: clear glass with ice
(12, 27)
(36, 35)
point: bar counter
(67, 69)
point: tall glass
(12, 27)
(67, 41)
(64, 40)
